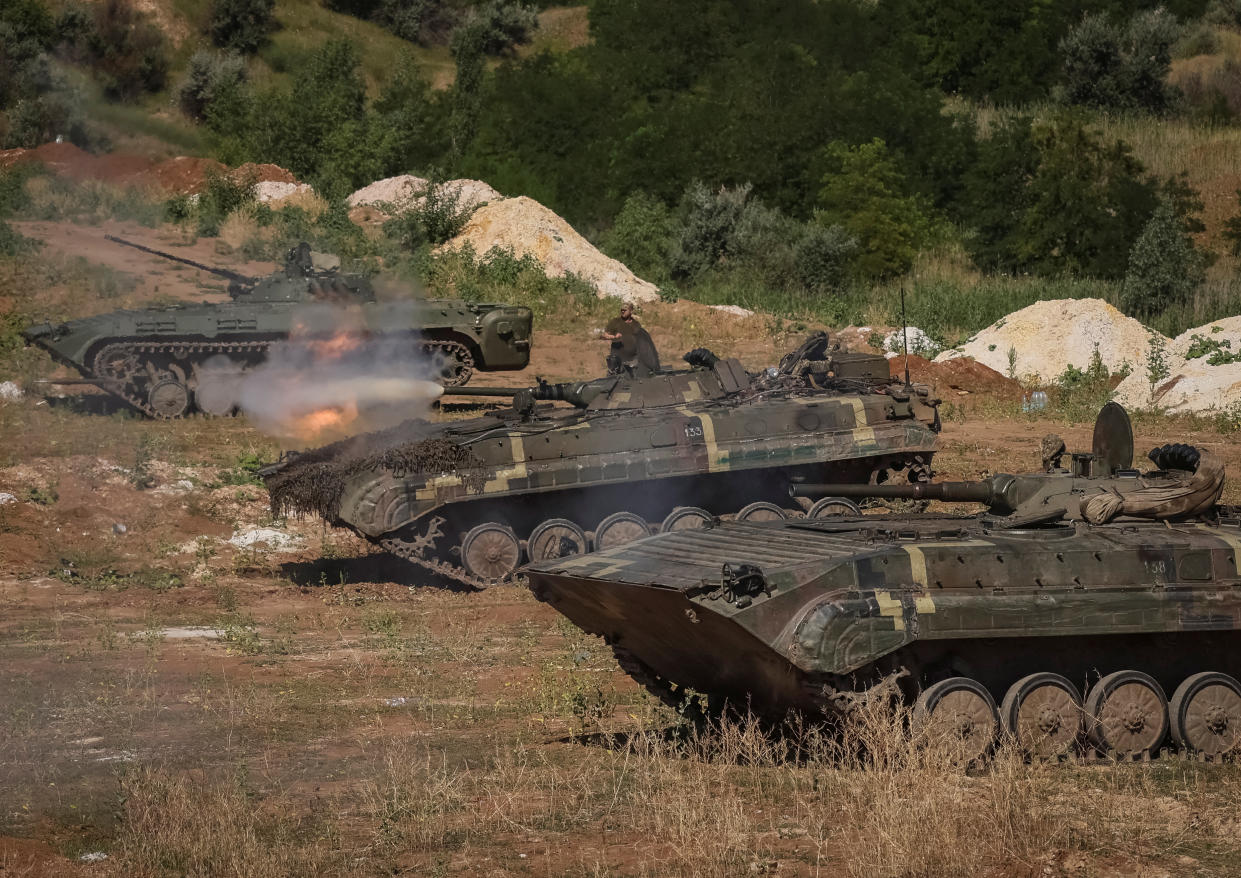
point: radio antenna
(905, 333)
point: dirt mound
(1194, 386)
(525, 226)
(1045, 337)
(956, 377)
(183, 174)
(1226, 332)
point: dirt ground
(181, 704)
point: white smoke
(331, 379)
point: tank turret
(1099, 487)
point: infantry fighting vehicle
(1071, 608)
(169, 361)
(634, 454)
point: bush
(822, 257)
(641, 236)
(864, 192)
(127, 51)
(709, 222)
(241, 25)
(208, 76)
(1164, 266)
(437, 217)
(499, 26)
(1116, 67)
(223, 195)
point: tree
(241, 25)
(1115, 67)
(1053, 198)
(865, 194)
(1164, 266)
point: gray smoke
(331, 380)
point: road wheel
(1205, 714)
(1127, 715)
(491, 551)
(169, 398)
(620, 528)
(957, 714)
(761, 511)
(217, 393)
(556, 538)
(686, 518)
(1043, 713)
(829, 506)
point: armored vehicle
(1065, 613)
(634, 454)
(167, 362)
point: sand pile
(525, 226)
(1226, 332)
(1048, 336)
(405, 191)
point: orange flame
(335, 346)
(328, 422)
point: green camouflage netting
(312, 483)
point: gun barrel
(961, 492)
(221, 272)
(483, 391)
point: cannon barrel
(576, 393)
(220, 272)
(990, 491)
(484, 391)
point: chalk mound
(405, 191)
(1195, 386)
(1048, 336)
(524, 226)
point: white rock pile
(1192, 385)
(402, 192)
(524, 226)
(1046, 337)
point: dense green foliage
(241, 25)
(1164, 268)
(1120, 67)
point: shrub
(641, 235)
(709, 222)
(208, 76)
(1117, 67)
(223, 194)
(864, 192)
(1164, 266)
(126, 50)
(437, 216)
(823, 256)
(241, 25)
(500, 26)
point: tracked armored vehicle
(1090, 605)
(631, 455)
(167, 362)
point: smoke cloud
(330, 379)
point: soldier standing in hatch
(622, 331)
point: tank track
(133, 353)
(670, 694)
(419, 552)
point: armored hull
(170, 361)
(474, 499)
(1117, 630)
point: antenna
(905, 333)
